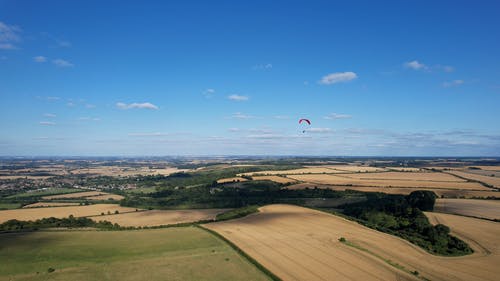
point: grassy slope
(185, 253)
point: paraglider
(303, 120)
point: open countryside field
(161, 217)
(185, 253)
(311, 170)
(415, 176)
(302, 244)
(50, 204)
(233, 179)
(277, 179)
(62, 212)
(449, 193)
(106, 196)
(74, 195)
(343, 180)
(494, 181)
(489, 209)
(121, 171)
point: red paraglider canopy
(305, 120)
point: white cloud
(47, 123)
(157, 134)
(62, 63)
(415, 65)
(49, 115)
(88, 105)
(40, 59)
(453, 83)
(144, 105)
(238, 98)
(64, 44)
(208, 93)
(335, 116)
(319, 130)
(338, 77)
(7, 46)
(239, 115)
(263, 66)
(8, 35)
(282, 117)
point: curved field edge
(242, 253)
(389, 247)
(95, 255)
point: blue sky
(392, 78)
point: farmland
(161, 217)
(186, 253)
(281, 236)
(62, 212)
(489, 209)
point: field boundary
(388, 261)
(253, 261)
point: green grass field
(181, 253)
(8, 206)
(50, 191)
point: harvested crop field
(414, 176)
(62, 212)
(233, 179)
(448, 193)
(343, 180)
(489, 209)
(180, 253)
(106, 196)
(50, 204)
(297, 243)
(74, 195)
(161, 217)
(315, 170)
(494, 181)
(277, 179)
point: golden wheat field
(277, 179)
(489, 209)
(494, 181)
(161, 217)
(297, 243)
(449, 193)
(50, 204)
(311, 170)
(414, 176)
(233, 179)
(74, 195)
(62, 212)
(106, 196)
(344, 180)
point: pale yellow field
(234, 179)
(312, 170)
(403, 190)
(297, 243)
(356, 169)
(50, 204)
(414, 176)
(277, 179)
(61, 212)
(125, 171)
(343, 180)
(404, 169)
(14, 177)
(489, 168)
(161, 217)
(494, 181)
(489, 209)
(106, 196)
(74, 195)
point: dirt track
(302, 244)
